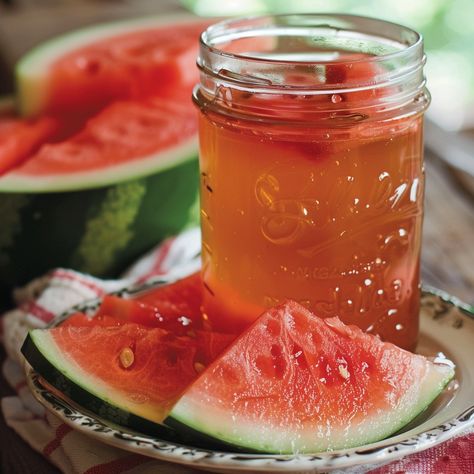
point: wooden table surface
(448, 241)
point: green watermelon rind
(18, 182)
(251, 440)
(32, 70)
(42, 354)
(87, 222)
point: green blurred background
(447, 27)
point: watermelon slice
(87, 69)
(294, 383)
(129, 374)
(127, 140)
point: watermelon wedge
(89, 68)
(130, 375)
(294, 383)
(127, 140)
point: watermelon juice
(311, 171)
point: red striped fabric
(157, 267)
(73, 276)
(38, 311)
(118, 465)
(54, 444)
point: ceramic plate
(447, 327)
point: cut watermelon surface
(175, 307)
(128, 374)
(82, 320)
(294, 383)
(19, 138)
(182, 298)
(126, 140)
(89, 68)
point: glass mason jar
(311, 160)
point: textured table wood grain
(448, 241)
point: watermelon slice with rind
(128, 374)
(88, 68)
(295, 383)
(126, 140)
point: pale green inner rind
(218, 423)
(15, 181)
(32, 70)
(71, 370)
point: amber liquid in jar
(325, 212)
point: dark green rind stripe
(89, 401)
(200, 439)
(112, 413)
(46, 230)
(166, 209)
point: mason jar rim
(353, 63)
(218, 27)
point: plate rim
(381, 452)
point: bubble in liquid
(336, 99)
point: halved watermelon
(128, 374)
(87, 69)
(97, 200)
(294, 383)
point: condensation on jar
(311, 162)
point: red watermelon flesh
(131, 66)
(175, 307)
(122, 132)
(122, 141)
(140, 59)
(82, 320)
(182, 298)
(133, 311)
(296, 383)
(19, 138)
(140, 370)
